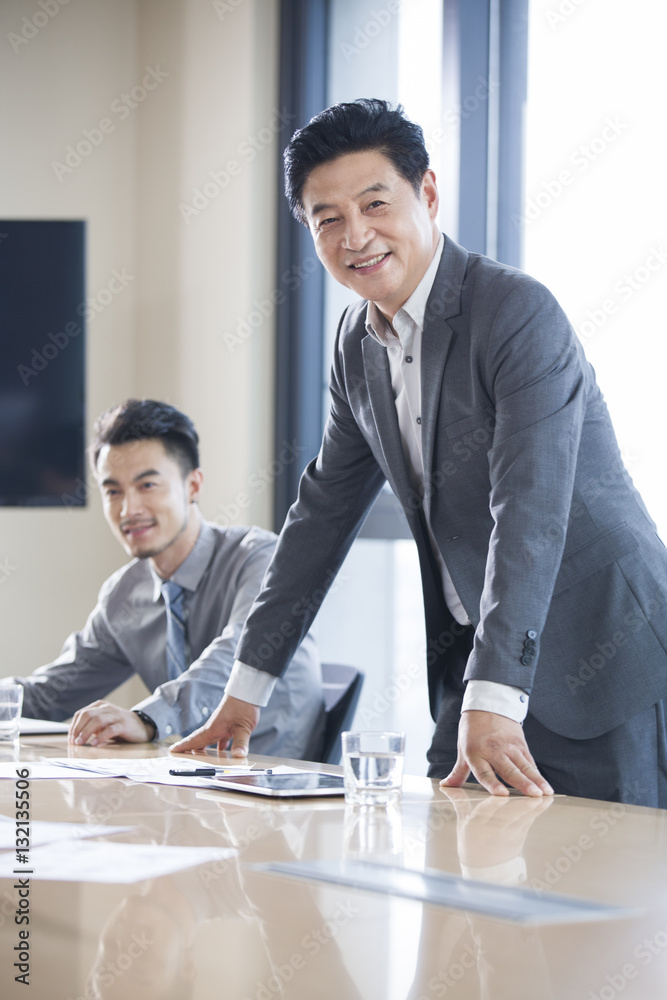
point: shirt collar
(411, 314)
(193, 567)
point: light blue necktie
(176, 649)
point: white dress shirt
(403, 341)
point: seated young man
(173, 614)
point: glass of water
(373, 764)
(11, 703)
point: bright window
(595, 214)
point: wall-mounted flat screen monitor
(42, 363)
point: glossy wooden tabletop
(222, 930)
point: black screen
(42, 363)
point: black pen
(210, 772)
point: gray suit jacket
(548, 543)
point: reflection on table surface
(220, 930)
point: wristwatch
(147, 720)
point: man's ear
(195, 481)
(429, 192)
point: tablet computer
(306, 784)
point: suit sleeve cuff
(489, 696)
(249, 684)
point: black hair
(365, 124)
(142, 420)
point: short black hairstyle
(365, 124)
(142, 420)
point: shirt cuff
(250, 684)
(489, 696)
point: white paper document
(45, 769)
(100, 861)
(41, 727)
(45, 832)
(154, 770)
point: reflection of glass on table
(373, 832)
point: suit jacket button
(531, 633)
(529, 645)
(526, 660)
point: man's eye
(325, 222)
(376, 204)
(111, 493)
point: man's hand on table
(232, 720)
(102, 722)
(491, 745)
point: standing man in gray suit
(460, 381)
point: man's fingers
(524, 776)
(199, 740)
(486, 776)
(83, 728)
(232, 720)
(240, 746)
(458, 775)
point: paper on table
(100, 861)
(45, 769)
(154, 770)
(45, 832)
(41, 727)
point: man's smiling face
(372, 232)
(148, 501)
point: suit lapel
(444, 302)
(381, 396)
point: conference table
(257, 922)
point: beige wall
(168, 332)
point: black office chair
(342, 687)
